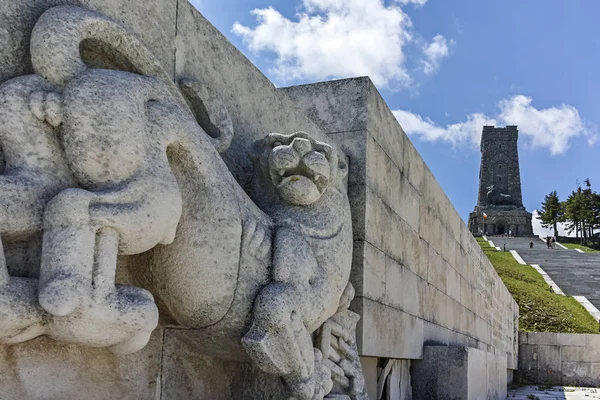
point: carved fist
(122, 319)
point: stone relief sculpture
(496, 198)
(106, 157)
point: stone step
(577, 274)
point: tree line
(580, 212)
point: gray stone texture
(420, 276)
(116, 195)
(47, 369)
(372, 371)
(452, 372)
(500, 165)
(559, 359)
(154, 22)
(499, 195)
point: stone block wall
(559, 359)
(420, 276)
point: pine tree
(592, 208)
(595, 223)
(551, 211)
(580, 212)
(575, 212)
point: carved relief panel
(104, 156)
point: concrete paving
(577, 274)
(554, 393)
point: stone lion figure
(108, 162)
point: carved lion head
(299, 168)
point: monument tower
(499, 208)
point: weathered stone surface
(448, 372)
(45, 369)
(453, 283)
(270, 267)
(386, 130)
(414, 167)
(371, 371)
(189, 374)
(154, 22)
(353, 144)
(399, 281)
(336, 106)
(387, 332)
(370, 281)
(500, 196)
(496, 369)
(559, 358)
(478, 375)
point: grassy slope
(541, 310)
(580, 247)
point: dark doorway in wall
(501, 229)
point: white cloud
(337, 39)
(467, 132)
(434, 52)
(551, 128)
(417, 3)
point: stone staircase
(577, 274)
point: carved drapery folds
(108, 157)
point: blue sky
(446, 67)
